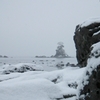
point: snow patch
(90, 21)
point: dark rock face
(91, 91)
(90, 84)
(84, 38)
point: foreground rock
(90, 86)
(86, 35)
(41, 85)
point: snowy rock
(72, 65)
(86, 34)
(20, 68)
(41, 85)
(60, 65)
(37, 89)
(89, 88)
(95, 52)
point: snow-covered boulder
(41, 85)
(37, 89)
(86, 34)
(89, 88)
(20, 68)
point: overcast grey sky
(34, 27)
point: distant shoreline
(52, 57)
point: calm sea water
(45, 62)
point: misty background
(34, 27)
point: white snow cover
(96, 47)
(40, 85)
(37, 89)
(96, 33)
(90, 21)
(44, 85)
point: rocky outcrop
(91, 91)
(90, 85)
(85, 36)
(60, 52)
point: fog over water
(34, 27)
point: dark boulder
(90, 85)
(85, 36)
(91, 91)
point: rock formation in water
(60, 52)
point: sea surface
(47, 63)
